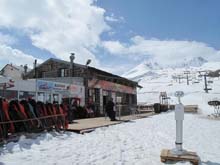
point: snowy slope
(139, 142)
(144, 69)
(152, 68)
(211, 66)
(161, 80)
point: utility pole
(35, 76)
(35, 68)
(206, 88)
(86, 79)
(72, 57)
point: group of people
(90, 110)
(77, 112)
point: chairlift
(195, 82)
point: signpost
(178, 153)
(179, 117)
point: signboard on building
(51, 86)
(106, 85)
(67, 90)
(8, 84)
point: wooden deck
(90, 124)
(166, 155)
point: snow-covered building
(13, 71)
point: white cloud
(60, 27)
(113, 18)
(115, 47)
(163, 51)
(7, 39)
(15, 56)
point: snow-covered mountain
(152, 69)
(155, 79)
(197, 62)
(146, 68)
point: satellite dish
(179, 94)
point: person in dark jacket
(110, 109)
(91, 106)
(72, 111)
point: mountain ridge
(151, 68)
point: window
(63, 72)
(43, 74)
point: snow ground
(137, 142)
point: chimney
(25, 69)
(72, 57)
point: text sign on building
(111, 86)
(77, 90)
(48, 86)
(44, 85)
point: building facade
(13, 71)
(99, 85)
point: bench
(191, 108)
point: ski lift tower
(205, 75)
(179, 77)
(187, 76)
(178, 153)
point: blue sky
(181, 20)
(116, 34)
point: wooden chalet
(99, 84)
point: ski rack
(37, 118)
(31, 119)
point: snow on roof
(19, 68)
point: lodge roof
(99, 72)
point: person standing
(72, 110)
(110, 109)
(91, 106)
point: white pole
(179, 135)
(179, 117)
